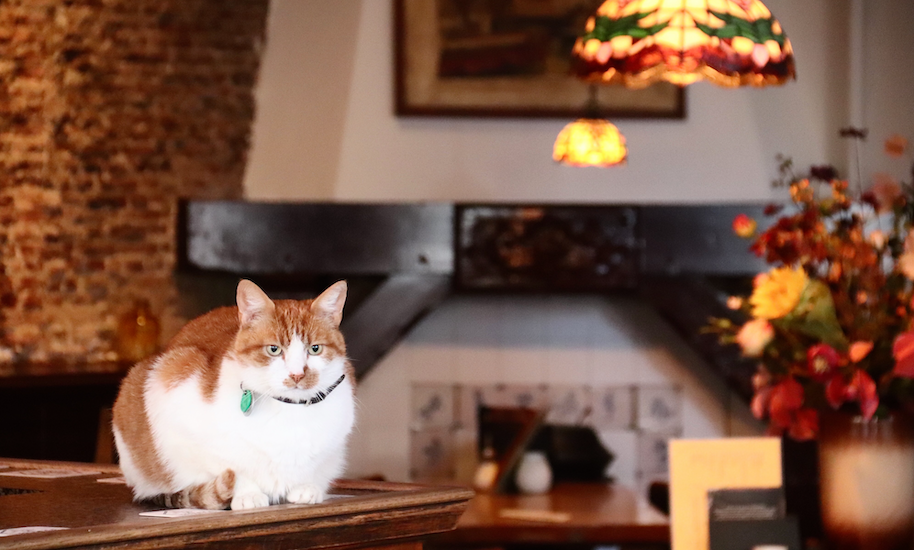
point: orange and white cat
(246, 406)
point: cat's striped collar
(247, 396)
(321, 395)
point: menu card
(698, 466)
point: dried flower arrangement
(831, 322)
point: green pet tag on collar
(247, 399)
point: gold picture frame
(505, 58)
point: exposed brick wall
(110, 111)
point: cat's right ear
(253, 303)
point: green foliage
(605, 28)
(759, 31)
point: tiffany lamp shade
(639, 42)
(590, 142)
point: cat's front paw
(306, 494)
(248, 501)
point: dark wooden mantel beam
(402, 259)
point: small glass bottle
(487, 471)
(137, 332)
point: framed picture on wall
(505, 58)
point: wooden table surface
(102, 515)
(574, 513)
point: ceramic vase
(534, 475)
(866, 471)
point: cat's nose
(297, 377)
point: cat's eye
(273, 350)
(315, 349)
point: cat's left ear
(330, 303)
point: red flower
(806, 425)
(785, 410)
(772, 209)
(836, 391)
(863, 389)
(821, 361)
(786, 399)
(760, 401)
(903, 352)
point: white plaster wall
(326, 130)
(888, 84)
(302, 98)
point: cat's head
(289, 348)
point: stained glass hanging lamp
(728, 42)
(590, 141)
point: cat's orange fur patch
(214, 495)
(198, 350)
(131, 421)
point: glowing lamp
(638, 42)
(590, 142)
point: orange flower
(877, 239)
(858, 350)
(896, 145)
(906, 260)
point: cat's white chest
(290, 432)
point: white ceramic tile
(659, 409)
(612, 408)
(653, 455)
(528, 396)
(653, 461)
(568, 405)
(469, 398)
(432, 455)
(432, 406)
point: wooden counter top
(572, 513)
(98, 514)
